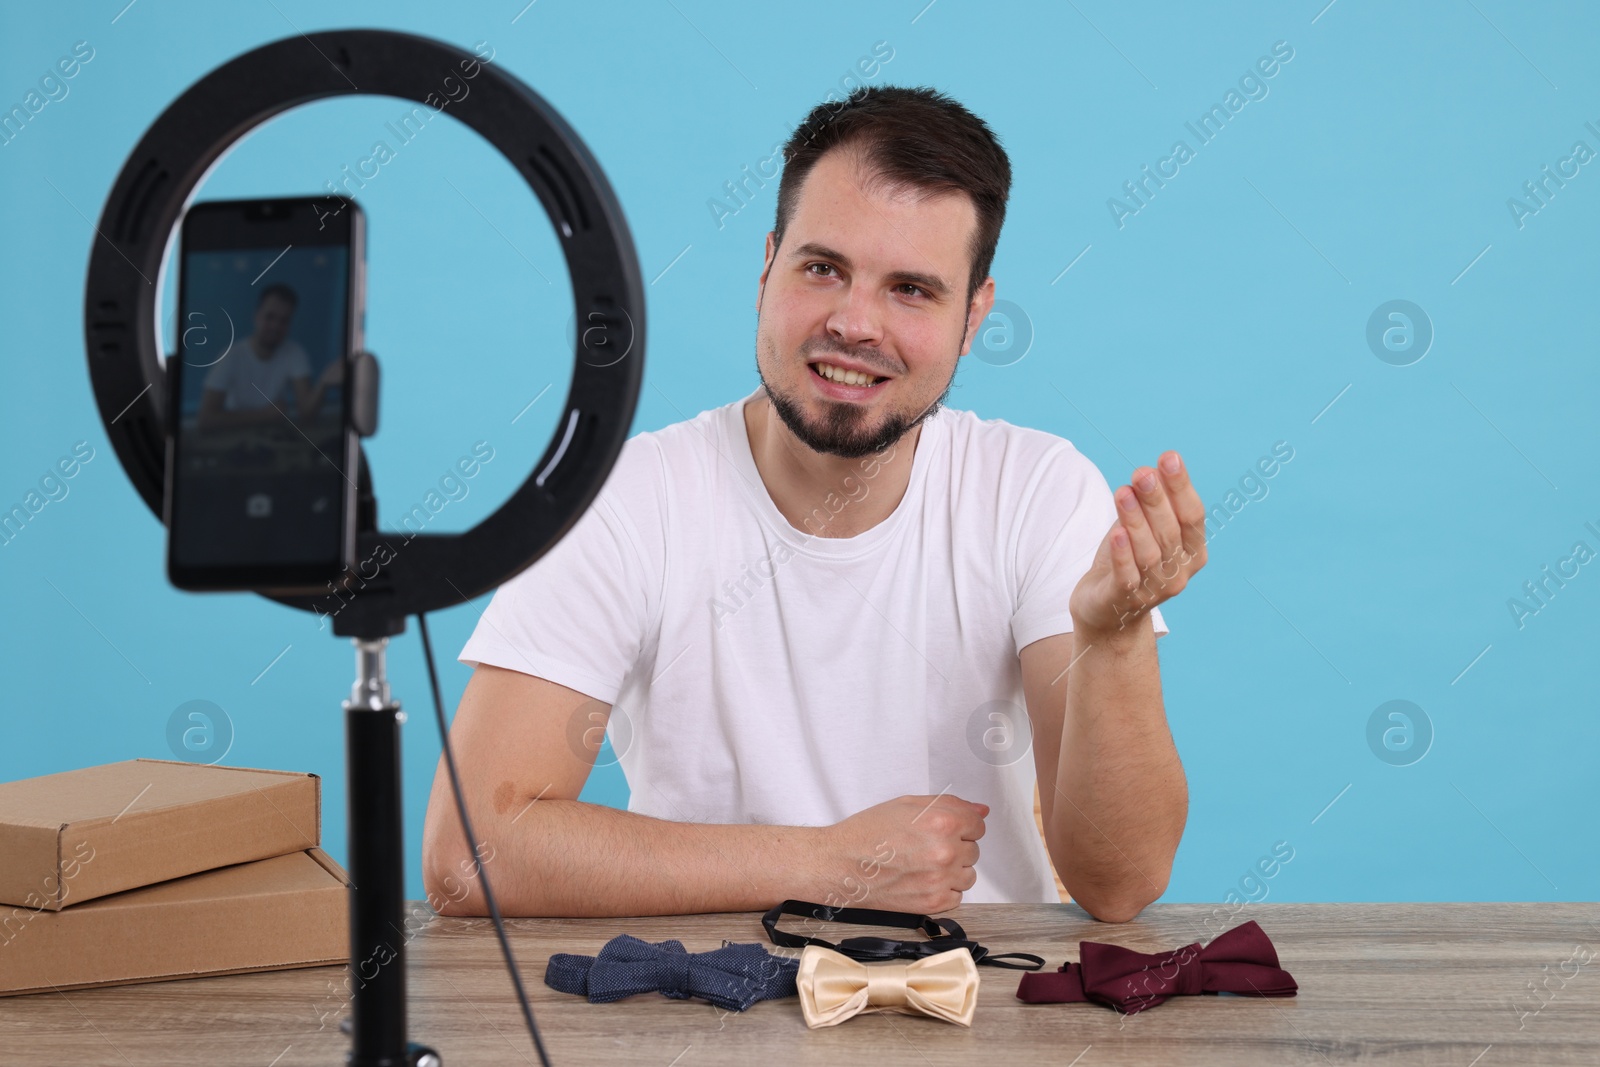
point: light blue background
(1224, 317)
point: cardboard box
(74, 836)
(272, 914)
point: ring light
(148, 199)
(433, 570)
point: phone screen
(262, 470)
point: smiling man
(836, 631)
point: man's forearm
(1120, 800)
(307, 406)
(571, 858)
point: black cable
(466, 828)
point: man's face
(272, 321)
(876, 280)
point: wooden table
(1445, 984)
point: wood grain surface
(1435, 984)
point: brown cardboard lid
(112, 790)
(291, 873)
(71, 837)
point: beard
(845, 430)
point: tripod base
(416, 1055)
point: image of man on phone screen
(247, 386)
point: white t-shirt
(766, 675)
(241, 372)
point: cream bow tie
(833, 987)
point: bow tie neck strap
(943, 935)
(903, 920)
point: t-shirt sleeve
(579, 615)
(296, 364)
(1067, 513)
(219, 375)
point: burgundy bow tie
(1241, 960)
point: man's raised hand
(1156, 545)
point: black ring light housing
(151, 193)
(429, 571)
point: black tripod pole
(377, 870)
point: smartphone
(261, 458)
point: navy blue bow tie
(732, 977)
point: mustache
(867, 357)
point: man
(250, 388)
(817, 612)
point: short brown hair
(908, 137)
(281, 291)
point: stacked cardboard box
(153, 869)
